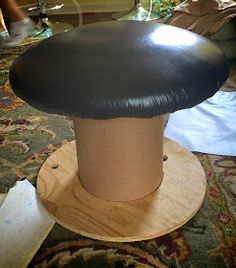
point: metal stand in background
(44, 27)
(136, 13)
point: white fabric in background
(209, 127)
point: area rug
(28, 137)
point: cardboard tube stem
(120, 159)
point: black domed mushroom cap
(119, 69)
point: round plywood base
(176, 201)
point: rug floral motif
(162, 8)
(29, 136)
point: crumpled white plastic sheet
(209, 127)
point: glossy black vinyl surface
(119, 69)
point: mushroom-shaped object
(117, 79)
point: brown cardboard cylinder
(120, 159)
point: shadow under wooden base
(174, 203)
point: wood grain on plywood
(176, 201)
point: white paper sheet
(24, 225)
(209, 127)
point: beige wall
(89, 5)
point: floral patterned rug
(28, 137)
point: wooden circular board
(176, 201)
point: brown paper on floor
(24, 225)
(201, 16)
